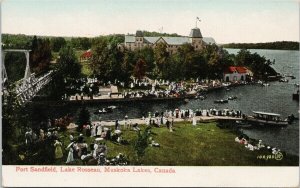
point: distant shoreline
(278, 45)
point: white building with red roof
(233, 74)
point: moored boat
(296, 93)
(266, 119)
(232, 98)
(221, 101)
(108, 109)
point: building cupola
(139, 33)
(195, 33)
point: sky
(225, 20)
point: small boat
(108, 109)
(232, 98)
(296, 93)
(266, 119)
(201, 97)
(186, 100)
(259, 82)
(111, 107)
(291, 76)
(101, 111)
(221, 101)
(226, 84)
(296, 96)
(265, 84)
(243, 124)
(283, 80)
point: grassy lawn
(85, 69)
(203, 145)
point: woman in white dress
(194, 120)
(70, 155)
(99, 130)
(93, 131)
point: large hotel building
(173, 43)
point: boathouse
(233, 74)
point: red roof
(86, 54)
(232, 69)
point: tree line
(110, 63)
(279, 45)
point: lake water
(276, 98)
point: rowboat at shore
(108, 109)
(221, 101)
(266, 119)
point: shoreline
(132, 99)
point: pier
(141, 121)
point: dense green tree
(83, 118)
(107, 61)
(11, 41)
(115, 63)
(99, 61)
(80, 43)
(40, 55)
(127, 66)
(142, 142)
(186, 57)
(278, 45)
(68, 63)
(259, 65)
(147, 54)
(139, 69)
(14, 121)
(67, 68)
(112, 40)
(155, 34)
(57, 43)
(161, 56)
(15, 64)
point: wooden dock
(143, 121)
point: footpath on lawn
(203, 145)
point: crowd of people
(53, 146)
(147, 88)
(253, 145)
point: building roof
(169, 40)
(266, 113)
(176, 40)
(195, 33)
(232, 69)
(86, 54)
(151, 40)
(209, 40)
(129, 38)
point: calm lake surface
(276, 98)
